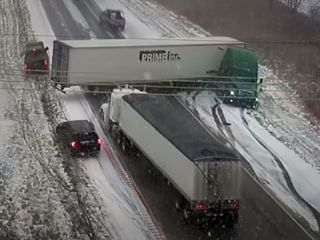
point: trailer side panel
(139, 60)
(165, 156)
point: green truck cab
(238, 78)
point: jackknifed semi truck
(202, 167)
(223, 63)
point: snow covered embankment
(299, 131)
(40, 199)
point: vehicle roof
(31, 43)
(78, 126)
(41, 55)
(143, 42)
(176, 123)
(37, 45)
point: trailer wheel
(180, 204)
(187, 216)
(124, 145)
(230, 220)
(114, 132)
(119, 138)
(108, 125)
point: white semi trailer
(130, 60)
(222, 61)
(200, 166)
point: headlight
(257, 99)
(231, 92)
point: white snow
(305, 178)
(118, 198)
(40, 24)
(306, 6)
(150, 20)
(262, 162)
(5, 123)
(168, 24)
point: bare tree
(314, 11)
(294, 4)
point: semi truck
(221, 61)
(203, 169)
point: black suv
(36, 59)
(78, 137)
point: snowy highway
(123, 207)
(77, 19)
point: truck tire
(119, 139)
(187, 216)
(230, 220)
(124, 145)
(109, 126)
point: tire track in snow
(283, 169)
(92, 19)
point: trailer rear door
(60, 63)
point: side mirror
(47, 48)
(261, 80)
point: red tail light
(33, 50)
(75, 145)
(200, 206)
(46, 64)
(99, 141)
(233, 204)
(26, 66)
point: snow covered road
(279, 116)
(122, 206)
(153, 19)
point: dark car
(113, 18)
(79, 137)
(36, 59)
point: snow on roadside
(306, 6)
(305, 177)
(118, 198)
(266, 169)
(282, 114)
(40, 198)
(271, 116)
(167, 24)
(121, 215)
